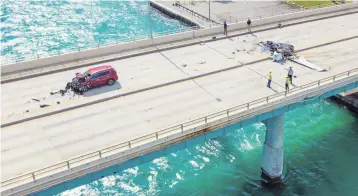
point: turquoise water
(321, 158)
(321, 140)
(49, 27)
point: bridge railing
(11, 60)
(181, 128)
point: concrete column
(272, 162)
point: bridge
(169, 99)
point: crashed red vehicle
(95, 77)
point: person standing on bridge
(287, 85)
(269, 77)
(290, 74)
(249, 24)
(225, 28)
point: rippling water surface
(321, 140)
(321, 158)
(49, 27)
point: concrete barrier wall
(173, 37)
(117, 48)
(210, 31)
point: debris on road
(44, 105)
(36, 100)
(76, 86)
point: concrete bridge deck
(39, 143)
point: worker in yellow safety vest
(287, 85)
(269, 77)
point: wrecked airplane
(282, 51)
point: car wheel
(84, 89)
(111, 82)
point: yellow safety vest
(288, 80)
(269, 76)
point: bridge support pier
(272, 162)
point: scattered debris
(36, 100)
(62, 92)
(214, 37)
(183, 65)
(76, 86)
(202, 62)
(281, 51)
(146, 110)
(58, 102)
(241, 63)
(44, 105)
(252, 49)
(27, 111)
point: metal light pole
(209, 11)
(150, 21)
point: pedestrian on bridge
(225, 28)
(249, 24)
(287, 85)
(290, 73)
(269, 77)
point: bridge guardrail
(205, 120)
(13, 60)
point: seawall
(349, 99)
(173, 14)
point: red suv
(96, 77)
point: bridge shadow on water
(102, 89)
